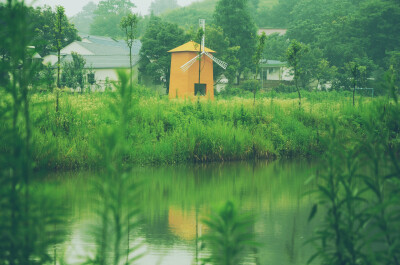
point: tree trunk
(58, 68)
(297, 86)
(354, 92)
(167, 81)
(130, 65)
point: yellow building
(184, 84)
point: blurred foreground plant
(359, 191)
(117, 192)
(29, 220)
(229, 236)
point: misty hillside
(189, 15)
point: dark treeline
(42, 20)
(348, 44)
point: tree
(324, 73)
(27, 217)
(189, 16)
(277, 16)
(259, 52)
(234, 18)
(84, 19)
(394, 63)
(43, 20)
(45, 36)
(160, 37)
(108, 16)
(308, 64)
(356, 73)
(58, 36)
(73, 75)
(47, 76)
(275, 47)
(253, 86)
(159, 6)
(129, 25)
(294, 54)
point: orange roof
(190, 46)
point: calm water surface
(176, 199)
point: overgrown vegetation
(29, 224)
(359, 192)
(359, 185)
(163, 131)
(118, 207)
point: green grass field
(163, 131)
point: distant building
(185, 84)
(273, 72)
(270, 31)
(102, 54)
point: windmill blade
(217, 61)
(187, 65)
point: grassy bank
(174, 131)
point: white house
(273, 72)
(270, 31)
(102, 54)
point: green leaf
(313, 211)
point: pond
(177, 198)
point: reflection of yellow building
(182, 84)
(183, 223)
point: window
(200, 89)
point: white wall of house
(52, 59)
(278, 73)
(75, 47)
(268, 32)
(102, 74)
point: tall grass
(359, 191)
(29, 224)
(167, 132)
(118, 209)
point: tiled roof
(104, 61)
(190, 46)
(272, 62)
(101, 49)
(107, 46)
(107, 52)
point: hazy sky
(74, 6)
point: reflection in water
(176, 199)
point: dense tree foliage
(275, 47)
(345, 30)
(295, 55)
(273, 13)
(129, 25)
(42, 20)
(73, 74)
(160, 37)
(108, 16)
(234, 18)
(83, 19)
(189, 16)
